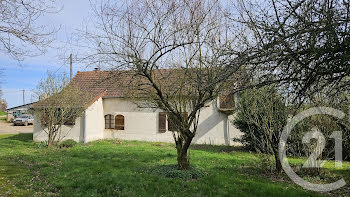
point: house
(14, 112)
(111, 114)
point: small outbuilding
(14, 112)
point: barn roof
(26, 106)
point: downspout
(84, 127)
(226, 131)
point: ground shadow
(216, 148)
(24, 137)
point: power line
(61, 65)
(13, 91)
(59, 68)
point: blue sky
(26, 76)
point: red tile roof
(97, 82)
(94, 85)
(125, 83)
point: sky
(28, 73)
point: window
(70, 121)
(119, 122)
(228, 101)
(162, 122)
(172, 122)
(109, 123)
(44, 120)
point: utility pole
(23, 97)
(71, 66)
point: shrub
(68, 143)
(262, 115)
(43, 144)
(173, 171)
(266, 163)
(326, 125)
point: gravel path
(8, 128)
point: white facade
(141, 124)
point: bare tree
(60, 104)
(171, 46)
(3, 104)
(20, 34)
(302, 44)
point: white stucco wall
(68, 131)
(215, 127)
(142, 124)
(94, 121)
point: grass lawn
(122, 168)
(2, 113)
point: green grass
(123, 168)
(2, 113)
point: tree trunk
(49, 143)
(49, 140)
(51, 137)
(182, 158)
(278, 162)
(183, 161)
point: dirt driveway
(8, 128)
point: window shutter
(171, 122)
(162, 122)
(119, 122)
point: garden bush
(262, 113)
(173, 171)
(43, 144)
(261, 117)
(67, 143)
